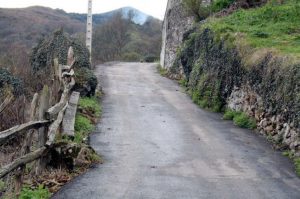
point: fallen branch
(22, 161)
(4, 135)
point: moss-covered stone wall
(219, 77)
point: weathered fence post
(69, 118)
(42, 135)
(26, 146)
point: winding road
(157, 144)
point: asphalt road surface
(157, 144)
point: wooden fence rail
(19, 129)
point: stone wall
(175, 24)
(267, 90)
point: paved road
(158, 145)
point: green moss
(270, 26)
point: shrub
(244, 121)
(57, 46)
(86, 82)
(229, 114)
(131, 56)
(38, 193)
(240, 119)
(150, 58)
(8, 80)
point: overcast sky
(155, 8)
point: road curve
(157, 144)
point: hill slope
(24, 27)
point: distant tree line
(121, 39)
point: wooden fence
(48, 121)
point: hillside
(23, 28)
(26, 26)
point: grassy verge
(240, 119)
(162, 71)
(89, 110)
(273, 26)
(296, 160)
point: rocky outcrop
(175, 24)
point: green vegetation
(296, 160)
(206, 91)
(119, 38)
(89, 110)
(10, 83)
(244, 121)
(91, 105)
(221, 4)
(207, 99)
(197, 9)
(297, 165)
(38, 193)
(2, 186)
(240, 119)
(271, 26)
(162, 71)
(83, 127)
(230, 114)
(183, 82)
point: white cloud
(155, 8)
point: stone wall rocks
(175, 24)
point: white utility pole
(89, 28)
